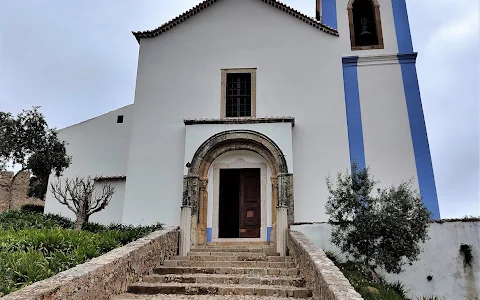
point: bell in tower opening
(364, 23)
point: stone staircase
(219, 271)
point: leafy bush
(383, 229)
(34, 246)
(14, 219)
(35, 208)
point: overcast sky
(78, 59)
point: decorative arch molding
(195, 193)
(237, 140)
(350, 3)
(378, 26)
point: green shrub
(15, 219)
(33, 208)
(34, 246)
(61, 221)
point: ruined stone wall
(19, 191)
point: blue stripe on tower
(329, 13)
(354, 115)
(269, 231)
(418, 130)
(402, 27)
(209, 234)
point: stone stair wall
(325, 280)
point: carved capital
(285, 189)
(203, 184)
(190, 192)
(274, 181)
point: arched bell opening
(365, 24)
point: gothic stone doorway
(239, 203)
(195, 194)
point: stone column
(189, 213)
(284, 213)
(202, 212)
(185, 228)
(285, 197)
(273, 233)
(282, 230)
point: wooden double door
(239, 203)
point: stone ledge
(106, 275)
(243, 120)
(325, 280)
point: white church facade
(243, 108)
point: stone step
(226, 270)
(267, 250)
(201, 253)
(246, 257)
(227, 264)
(241, 244)
(218, 289)
(128, 296)
(226, 279)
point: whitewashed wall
(440, 258)
(99, 147)
(114, 211)
(299, 73)
(386, 128)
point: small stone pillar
(185, 229)
(189, 213)
(282, 230)
(284, 210)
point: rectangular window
(238, 93)
(120, 119)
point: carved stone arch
(237, 140)
(378, 26)
(224, 142)
(350, 3)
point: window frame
(253, 97)
(378, 24)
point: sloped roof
(207, 3)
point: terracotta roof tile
(207, 3)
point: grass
(34, 246)
(364, 285)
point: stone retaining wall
(325, 280)
(106, 275)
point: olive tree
(28, 144)
(82, 196)
(380, 228)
